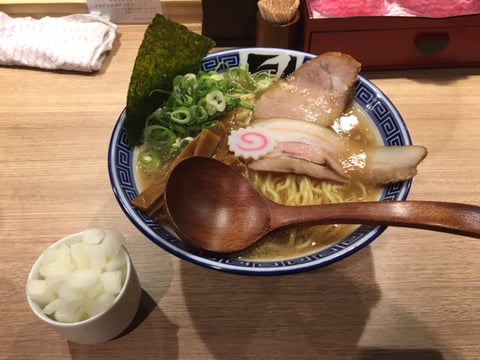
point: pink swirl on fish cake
(251, 142)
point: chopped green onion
(148, 160)
(215, 102)
(181, 116)
(159, 138)
(180, 142)
(198, 101)
(199, 113)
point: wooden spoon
(215, 208)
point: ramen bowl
(370, 99)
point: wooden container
(280, 36)
(393, 42)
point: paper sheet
(127, 11)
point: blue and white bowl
(374, 103)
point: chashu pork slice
(317, 92)
(316, 151)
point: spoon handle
(455, 218)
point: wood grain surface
(411, 294)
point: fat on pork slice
(298, 112)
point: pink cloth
(75, 42)
(424, 8)
(337, 8)
(440, 8)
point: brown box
(393, 42)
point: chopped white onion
(39, 292)
(116, 263)
(97, 256)
(79, 255)
(57, 267)
(51, 307)
(95, 291)
(70, 310)
(99, 304)
(112, 242)
(112, 281)
(57, 281)
(84, 279)
(93, 236)
(80, 280)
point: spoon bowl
(214, 208)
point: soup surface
(291, 189)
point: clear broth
(284, 244)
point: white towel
(76, 42)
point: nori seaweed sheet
(168, 49)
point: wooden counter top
(411, 294)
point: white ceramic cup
(105, 325)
